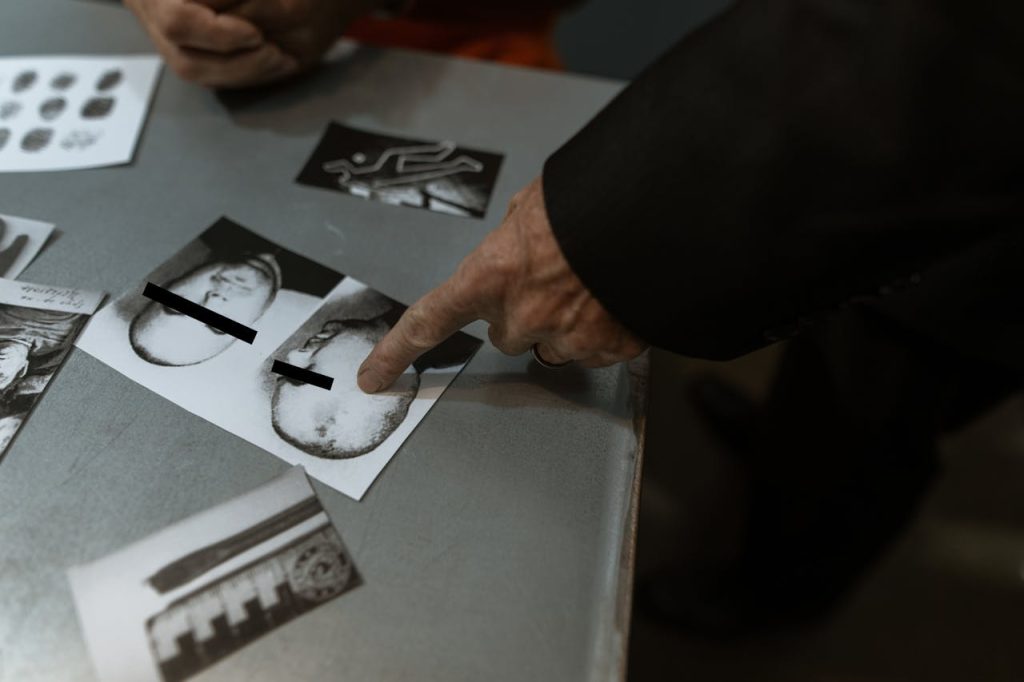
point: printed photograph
(305, 315)
(231, 271)
(38, 325)
(173, 604)
(344, 422)
(436, 176)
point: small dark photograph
(98, 107)
(36, 139)
(437, 176)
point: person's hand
(519, 281)
(303, 29)
(203, 45)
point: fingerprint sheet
(68, 112)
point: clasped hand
(241, 43)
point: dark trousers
(848, 449)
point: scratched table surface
(495, 546)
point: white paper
(273, 548)
(46, 297)
(342, 437)
(67, 112)
(21, 240)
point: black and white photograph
(177, 602)
(228, 270)
(305, 315)
(38, 325)
(64, 112)
(21, 240)
(437, 176)
(343, 436)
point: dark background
(943, 605)
(617, 38)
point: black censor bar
(303, 375)
(198, 312)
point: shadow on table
(537, 387)
(362, 82)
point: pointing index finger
(425, 324)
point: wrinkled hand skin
(244, 43)
(303, 29)
(518, 281)
(210, 48)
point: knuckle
(497, 260)
(186, 69)
(574, 346)
(508, 341)
(418, 330)
(496, 335)
(175, 25)
(635, 348)
(533, 317)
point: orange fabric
(527, 41)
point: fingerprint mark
(5, 134)
(79, 139)
(109, 80)
(97, 107)
(9, 109)
(63, 81)
(24, 81)
(36, 140)
(52, 108)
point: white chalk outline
(416, 163)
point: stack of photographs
(172, 335)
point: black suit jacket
(794, 157)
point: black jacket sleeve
(792, 157)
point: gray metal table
(498, 543)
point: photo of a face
(230, 271)
(342, 422)
(309, 321)
(241, 291)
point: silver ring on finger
(535, 351)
